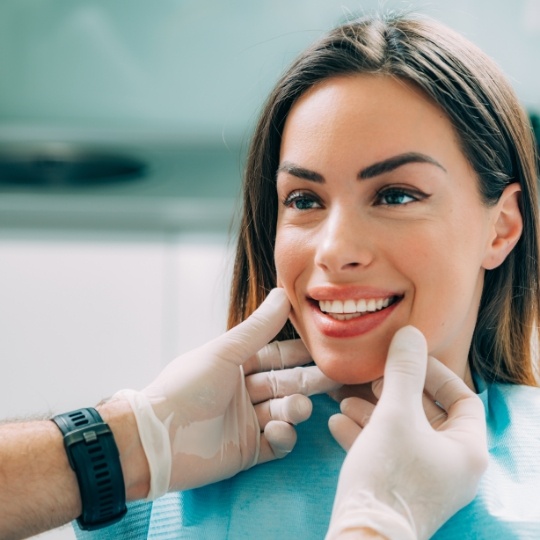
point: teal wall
(201, 68)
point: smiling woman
(382, 207)
(391, 181)
(387, 100)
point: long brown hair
(495, 136)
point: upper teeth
(353, 306)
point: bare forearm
(38, 488)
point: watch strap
(93, 455)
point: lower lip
(354, 327)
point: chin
(357, 370)
(344, 361)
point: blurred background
(123, 125)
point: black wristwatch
(93, 455)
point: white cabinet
(84, 314)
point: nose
(344, 242)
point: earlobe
(507, 227)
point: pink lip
(357, 326)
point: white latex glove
(197, 421)
(402, 478)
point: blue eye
(395, 197)
(301, 201)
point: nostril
(345, 236)
(338, 265)
(339, 253)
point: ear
(506, 229)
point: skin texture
(414, 231)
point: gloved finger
(461, 404)
(291, 409)
(299, 380)
(344, 430)
(466, 414)
(245, 339)
(435, 415)
(278, 355)
(377, 387)
(444, 385)
(277, 441)
(405, 370)
(357, 409)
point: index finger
(299, 380)
(454, 396)
(405, 369)
(278, 355)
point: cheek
(447, 286)
(289, 257)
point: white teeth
(345, 316)
(347, 309)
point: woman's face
(380, 225)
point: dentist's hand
(402, 479)
(197, 421)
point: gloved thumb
(251, 335)
(405, 370)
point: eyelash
(297, 196)
(394, 190)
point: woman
(495, 138)
(390, 182)
(393, 166)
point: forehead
(375, 115)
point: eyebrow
(300, 172)
(381, 167)
(394, 162)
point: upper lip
(348, 292)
